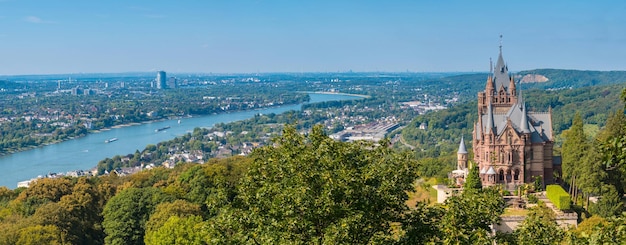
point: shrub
(558, 197)
(532, 199)
(538, 183)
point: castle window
(508, 138)
(516, 176)
(501, 175)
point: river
(85, 152)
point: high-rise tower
(161, 80)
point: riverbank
(85, 152)
(32, 147)
(39, 146)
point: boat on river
(110, 140)
(161, 129)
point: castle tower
(461, 156)
(500, 89)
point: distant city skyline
(64, 37)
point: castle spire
(462, 149)
(501, 71)
(512, 88)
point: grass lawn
(514, 212)
(423, 192)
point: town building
(161, 80)
(511, 145)
(172, 83)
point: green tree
(421, 225)
(473, 179)
(612, 144)
(179, 230)
(469, 216)
(163, 211)
(574, 152)
(84, 209)
(38, 234)
(609, 205)
(539, 227)
(42, 191)
(613, 233)
(126, 214)
(587, 227)
(312, 189)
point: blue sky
(71, 36)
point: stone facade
(511, 145)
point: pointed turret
(512, 88)
(490, 124)
(462, 149)
(489, 88)
(461, 156)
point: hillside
(559, 78)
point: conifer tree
(574, 153)
(473, 179)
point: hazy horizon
(235, 37)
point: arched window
(516, 176)
(509, 138)
(508, 176)
(501, 175)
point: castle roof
(490, 127)
(501, 73)
(537, 124)
(483, 171)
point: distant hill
(558, 78)
(531, 78)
